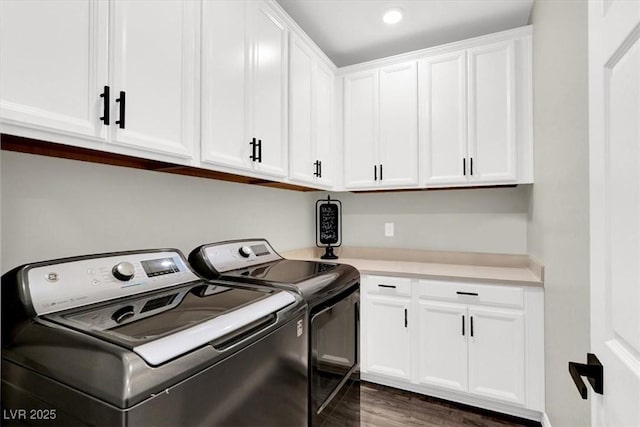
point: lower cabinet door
(496, 354)
(442, 345)
(387, 340)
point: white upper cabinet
(311, 117)
(398, 125)
(444, 103)
(475, 115)
(361, 129)
(53, 68)
(381, 127)
(244, 87)
(154, 66)
(492, 113)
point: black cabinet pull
(319, 168)
(406, 321)
(463, 325)
(105, 102)
(471, 319)
(317, 165)
(593, 370)
(121, 101)
(252, 143)
(375, 172)
(464, 167)
(381, 172)
(387, 286)
(471, 166)
(475, 294)
(259, 151)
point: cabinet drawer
(382, 285)
(470, 293)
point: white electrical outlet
(388, 229)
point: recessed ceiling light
(392, 16)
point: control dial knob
(122, 314)
(245, 251)
(123, 271)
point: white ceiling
(352, 31)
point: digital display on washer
(158, 267)
(260, 250)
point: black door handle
(471, 166)
(105, 103)
(406, 321)
(471, 320)
(475, 294)
(375, 172)
(464, 167)
(463, 325)
(593, 370)
(387, 286)
(121, 101)
(319, 168)
(380, 171)
(252, 143)
(259, 151)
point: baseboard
(545, 420)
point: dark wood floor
(381, 406)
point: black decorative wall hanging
(328, 226)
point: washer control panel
(74, 282)
(239, 254)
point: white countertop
(472, 267)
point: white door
(53, 66)
(361, 130)
(496, 354)
(614, 127)
(443, 118)
(442, 344)
(398, 105)
(387, 337)
(269, 95)
(324, 134)
(224, 75)
(302, 167)
(154, 65)
(492, 113)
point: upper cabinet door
(154, 64)
(444, 118)
(324, 125)
(300, 112)
(492, 112)
(398, 105)
(269, 80)
(224, 84)
(53, 66)
(361, 129)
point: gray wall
(478, 220)
(55, 207)
(559, 200)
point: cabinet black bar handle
(121, 101)
(105, 102)
(315, 164)
(406, 321)
(252, 143)
(463, 325)
(259, 151)
(471, 319)
(593, 370)
(375, 172)
(387, 286)
(464, 167)
(475, 294)
(380, 172)
(319, 168)
(471, 166)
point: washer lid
(164, 325)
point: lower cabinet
(479, 344)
